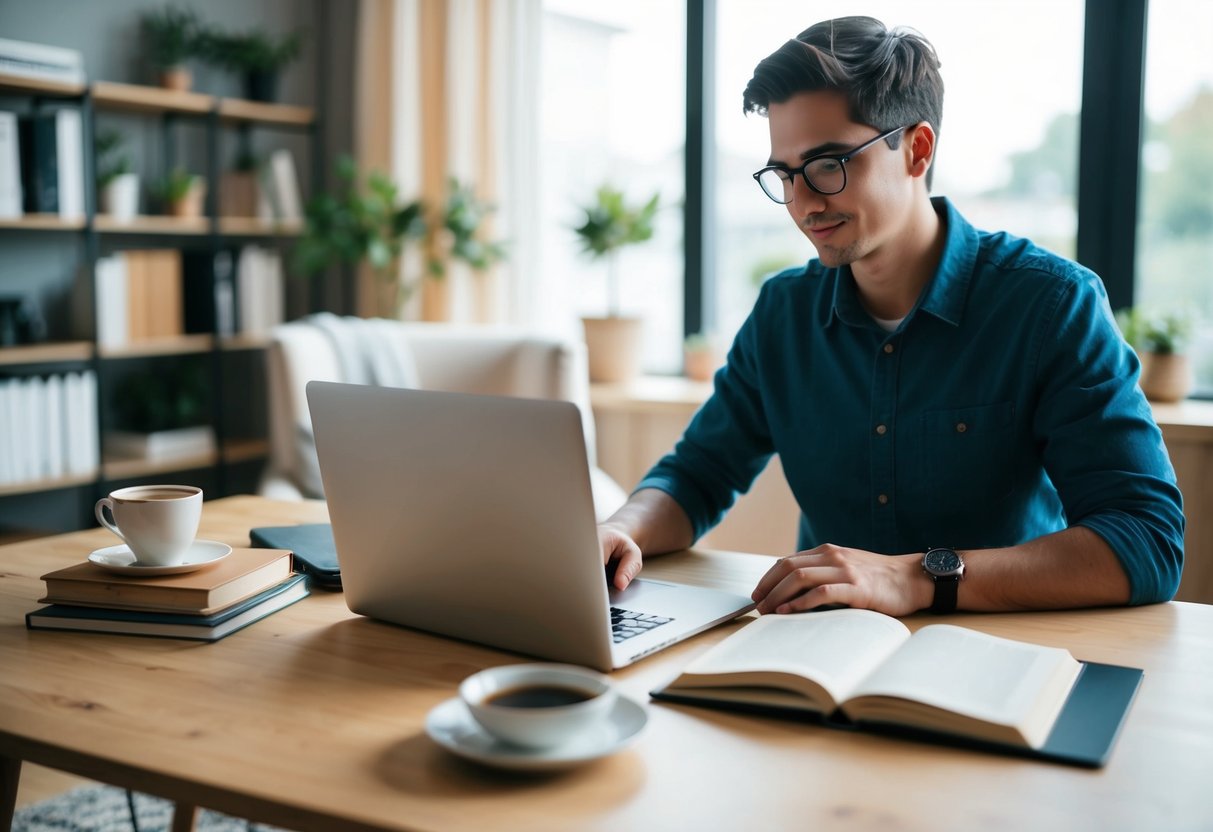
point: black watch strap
(945, 594)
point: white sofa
(458, 358)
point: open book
(865, 668)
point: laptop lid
(472, 517)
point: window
(613, 97)
(1175, 211)
(1008, 145)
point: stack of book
(204, 605)
(50, 427)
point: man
(955, 411)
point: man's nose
(805, 200)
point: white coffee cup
(537, 705)
(157, 522)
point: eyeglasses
(826, 174)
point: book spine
(69, 145)
(10, 167)
(39, 162)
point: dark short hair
(889, 76)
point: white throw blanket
(369, 349)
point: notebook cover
(312, 543)
(1085, 731)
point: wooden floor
(38, 784)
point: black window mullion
(1109, 144)
(699, 206)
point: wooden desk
(313, 719)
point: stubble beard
(832, 256)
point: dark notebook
(313, 547)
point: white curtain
(449, 88)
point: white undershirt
(887, 325)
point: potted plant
(613, 342)
(362, 223)
(457, 236)
(258, 56)
(1161, 341)
(117, 184)
(239, 188)
(182, 193)
(172, 37)
(701, 357)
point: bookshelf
(209, 117)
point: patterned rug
(104, 809)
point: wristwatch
(946, 569)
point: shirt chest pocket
(968, 454)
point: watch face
(941, 561)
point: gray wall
(107, 33)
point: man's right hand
(620, 554)
(650, 521)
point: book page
(984, 678)
(835, 649)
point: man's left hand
(831, 575)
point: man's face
(848, 226)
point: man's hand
(834, 576)
(650, 521)
(617, 546)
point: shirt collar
(948, 290)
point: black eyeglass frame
(803, 170)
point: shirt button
(883, 499)
(961, 427)
(888, 348)
(882, 430)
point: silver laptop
(472, 517)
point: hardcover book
(243, 573)
(862, 669)
(211, 627)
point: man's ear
(920, 148)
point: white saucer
(121, 559)
(451, 725)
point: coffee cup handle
(102, 504)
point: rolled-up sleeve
(1100, 445)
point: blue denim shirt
(1004, 407)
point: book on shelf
(69, 149)
(862, 669)
(50, 422)
(155, 308)
(109, 294)
(162, 444)
(210, 627)
(139, 295)
(51, 151)
(209, 292)
(41, 61)
(37, 141)
(244, 572)
(10, 167)
(282, 185)
(259, 290)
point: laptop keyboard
(627, 623)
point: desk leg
(183, 817)
(10, 776)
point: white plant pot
(120, 198)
